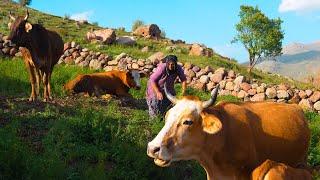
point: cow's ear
(28, 27)
(210, 123)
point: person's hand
(159, 96)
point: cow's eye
(188, 122)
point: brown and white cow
(43, 49)
(112, 82)
(271, 170)
(230, 140)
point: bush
(137, 24)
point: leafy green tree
(261, 36)
(136, 24)
(25, 2)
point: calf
(111, 82)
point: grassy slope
(69, 31)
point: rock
(231, 74)
(295, 99)
(141, 62)
(75, 55)
(84, 54)
(236, 88)
(84, 63)
(309, 92)
(201, 72)
(112, 63)
(145, 49)
(188, 65)
(121, 56)
(156, 58)
(221, 71)
(126, 40)
(222, 84)
(245, 86)
(200, 86)
(148, 31)
(239, 80)
(260, 89)
(224, 92)
(208, 69)
(78, 60)
(281, 101)
(69, 60)
(216, 78)
(252, 92)
(204, 79)
(196, 69)
(108, 68)
(200, 50)
(306, 104)
(73, 44)
(135, 66)
(258, 97)
(85, 50)
(13, 51)
(66, 46)
(283, 87)
(254, 86)
(190, 73)
(242, 94)
(95, 64)
(282, 94)
(106, 36)
(229, 86)
(149, 66)
(271, 93)
(316, 106)
(315, 96)
(264, 85)
(6, 50)
(210, 86)
(302, 94)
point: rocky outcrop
(149, 31)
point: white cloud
(81, 16)
(299, 5)
(236, 51)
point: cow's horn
(27, 15)
(213, 98)
(172, 98)
(11, 16)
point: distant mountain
(298, 61)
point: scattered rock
(148, 31)
(156, 58)
(306, 104)
(258, 97)
(126, 40)
(271, 93)
(315, 96)
(282, 94)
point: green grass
(86, 138)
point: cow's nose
(153, 151)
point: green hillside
(75, 137)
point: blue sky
(211, 22)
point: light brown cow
(230, 140)
(271, 170)
(112, 82)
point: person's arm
(184, 87)
(183, 79)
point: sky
(211, 22)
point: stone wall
(204, 79)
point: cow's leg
(49, 86)
(32, 77)
(45, 87)
(123, 93)
(38, 79)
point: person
(166, 73)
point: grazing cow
(271, 170)
(229, 140)
(44, 50)
(112, 82)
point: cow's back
(267, 130)
(56, 44)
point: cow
(229, 140)
(270, 170)
(44, 50)
(114, 82)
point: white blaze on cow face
(169, 144)
(136, 78)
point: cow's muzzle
(155, 153)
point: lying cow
(270, 170)
(44, 50)
(112, 82)
(230, 139)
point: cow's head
(185, 130)
(133, 79)
(19, 28)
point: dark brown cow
(45, 48)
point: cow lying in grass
(270, 170)
(42, 50)
(112, 82)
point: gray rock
(306, 104)
(239, 80)
(258, 97)
(316, 106)
(271, 93)
(204, 79)
(112, 63)
(229, 86)
(216, 78)
(283, 94)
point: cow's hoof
(46, 100)
(32, 99)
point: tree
(136, 24)
(261, 36)
(25, 2)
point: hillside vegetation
(75, 137)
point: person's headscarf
(171, 58)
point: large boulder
(106, 36)
(156, 57)
(126, 40)
(200, 50)
(148, 31)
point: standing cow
(43, 49)
(231, 139)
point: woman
(166, 73)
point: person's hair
(171, 58)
